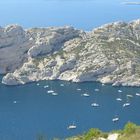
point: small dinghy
(137, 94)
(115, 119)
(50, 91)
(126, 104)
(85, 95)
(129, 95)
(118, 99)
(119, 91)
(95, 105)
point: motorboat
(50, 91)
(37, 84)
(137, 94)
(95, 105)
(46, 86)
(129, 95)
(119, 91)
(118, 99)
(96, 89)
(126, 104)
(62, 85)
(14, 102)
(79, 89)
(85, 95)
(54, 94)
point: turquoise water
(37, 112)
(82, 14)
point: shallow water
(37, 112)
(82, 14)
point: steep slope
(109, 54)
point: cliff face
(109, 54)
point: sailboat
(119, 98)
(72, 126)
(127, 103)
(115, 119)
(50, 91)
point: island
(107, 54)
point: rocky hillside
(109, 54)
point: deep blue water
(37, 112)
(82, 14)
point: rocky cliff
(109, 54)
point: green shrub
(92, 133)
(129, 128)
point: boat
(119, 91)
(85, 95)
(79, 89)
(37, 84)
(129, 95)
(95, 105)
(50, 91)
(96, 89)
(46, 86)
(62, 85)
(103, 84)
(72, 126)
(118, 99)
(126, 104)
(54, 94)
(115, 119)
(14, 102)
(137, 94)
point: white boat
(119, 91)
(129, 95)
(103, 84)
(73, 126)
(79, 89)
(50, 91)
(96, 89)
(137, 94)
(37, 84)
(14, 102)
(54, 94)
(46, 86)
(126, 104)
(85, 95)
(95, 105)
(62, 85)
(118, 99)
(115, 119)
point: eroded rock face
(109, 54)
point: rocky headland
(108, 54)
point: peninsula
(108, 54)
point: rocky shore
(108, 54)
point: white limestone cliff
(109, 54)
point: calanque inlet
(108, 54)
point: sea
(28, 112)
